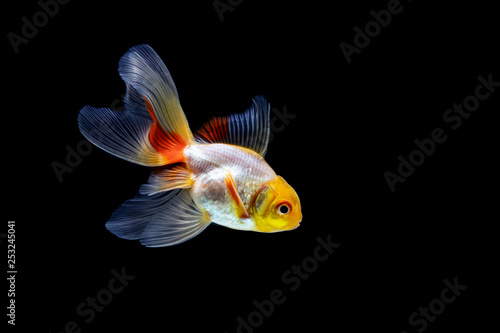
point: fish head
(276, 206)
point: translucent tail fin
(143, 69)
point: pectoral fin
(240, 207)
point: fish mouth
(299, 221)
(294, 225)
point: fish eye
(283, 208)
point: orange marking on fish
(215, 130)
(231, 186)
(170, 145)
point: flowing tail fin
(153, 131)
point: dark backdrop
(349, 119)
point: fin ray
(167, 179)
(134, 102)
(131, 218)
(153, 130)
(143, 69)
(162, 219)
(249, 129)
(120, 133)
(180, 220)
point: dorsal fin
(249, 129)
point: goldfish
(215, 175)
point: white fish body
(210, 164)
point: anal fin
(178, 221)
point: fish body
(217, 174)
(211, 164)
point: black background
(352, 121)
